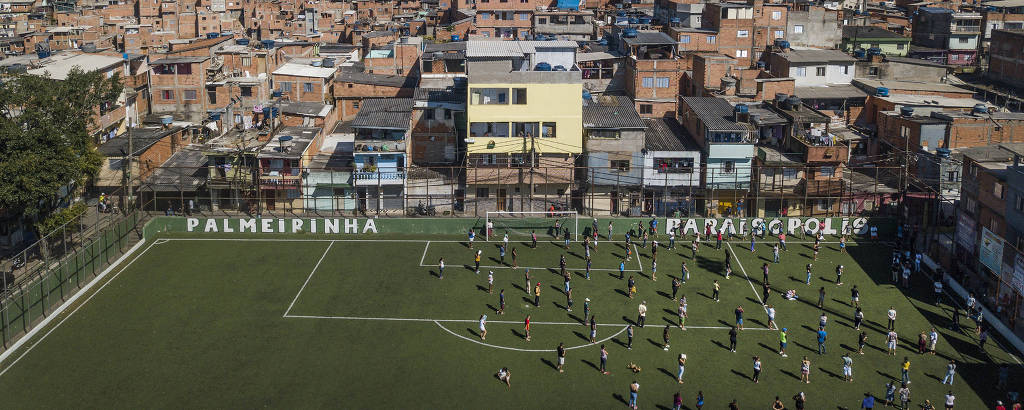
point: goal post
(520, 224)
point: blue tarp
(568, 4)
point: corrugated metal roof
(375, 79)
(59, 67)
(715, 113)
(509, 49)
(390, 113)
(835, 91)
(304, 70)
(816, 56)
(665, 134)
(648, 38)
(611, 111)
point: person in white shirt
(642, 316)
(938, 291)
(950, 398)
(892, 318)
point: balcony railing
(365, 178)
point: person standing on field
(642, 314)
(604, 359)
(440, 268)
(536, 295)
(501, 302)
(561, 357)
(526, 327)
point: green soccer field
(367, 323)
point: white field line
(424, 257)
(641, 264)
(744, 270)
(56, 313)
(536, 268)
(404, 319)
(598, 343)
(308, 278)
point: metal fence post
(24, 312)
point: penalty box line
(403, 319)
(296, 299)
(426, 247)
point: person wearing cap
(490, 282)
(641, 314)
(476, 259)
(586, 309)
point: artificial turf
(222, 323)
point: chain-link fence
(459, 192)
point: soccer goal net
(519, 225)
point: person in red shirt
(527, 328)
(782, 241)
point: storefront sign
(990, 250)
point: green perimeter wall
(335, 227)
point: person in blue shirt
(868, 402)
(472, 236)
(501, 251)
(685, 273)
(654, 227)
(822, 336)
(622, 269)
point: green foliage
(59, 218)
(45, 140)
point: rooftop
(304, 70)
(665, 134)
(931, 100)
(60, 65)
(830, 92)
(300, 139)
(870, 32)
(180, 60)
(374, 79)
(310, 109)
(870, 85)
(715, 113)
(610, 111)
(185, 171)
(646, 38)
(508, 49)
(388, 113)
(142, 140)
(816, 56)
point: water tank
(942, 152)
(242, 41)
(860, 53)
(874, 51)
(780, 97)
(674, 20)
(88, 48)
(634, 20)
(754, 118)
(268, 44)
(328, 63)
(780, 43)
(907, 111)
(124, 56)
(980, 109)
(166, 119)
(881, 92)
(275, 94)
(645, 20)
(455, 37)
(620, 14)
(42, 53)
(215, 116)
(629, 33)
(793, 103)
(212, 35)
(587, 96)
(316, 63)
(761, 65)
(741, 109)
(542, 67)
(602, 42)
(558, 68)
(266, 112)
(275, 112)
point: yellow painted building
(523, 97)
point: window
(904, 131)
(973, 170)
(482, 193)
(619, 165)
(728, 167)
(286, 86)
(970, 205)
(548, 130)
(872, 70)
(246, 61)
(684, 39)
(488, 129)
(741, 53)
(776, 15)
(447, 113)
(524, 16)
(488, 96)
(801, 71)
(846, 69)
(542, 20)
(963, 40)
(307, 87)
(246, 91)
(819, 71)
(780, 34)
(998, 190)
(484, 16)
(951, 176)
(167, 94)
(603, 133)
(355, 104)
(712, 39)
(428, 114)
(823, 204)
(519, 96)
(674, 165)
(742, 33)
(901, 46)
(647, 82)
(827, 171)
(189, 95)
(646, 108)
(797, 29)
(661, 82)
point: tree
(45, 137)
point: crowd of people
(904, 264)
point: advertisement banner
(965, 231)
(990, 251)
(1018, 273)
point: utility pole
(131, 160)
(533, 164)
